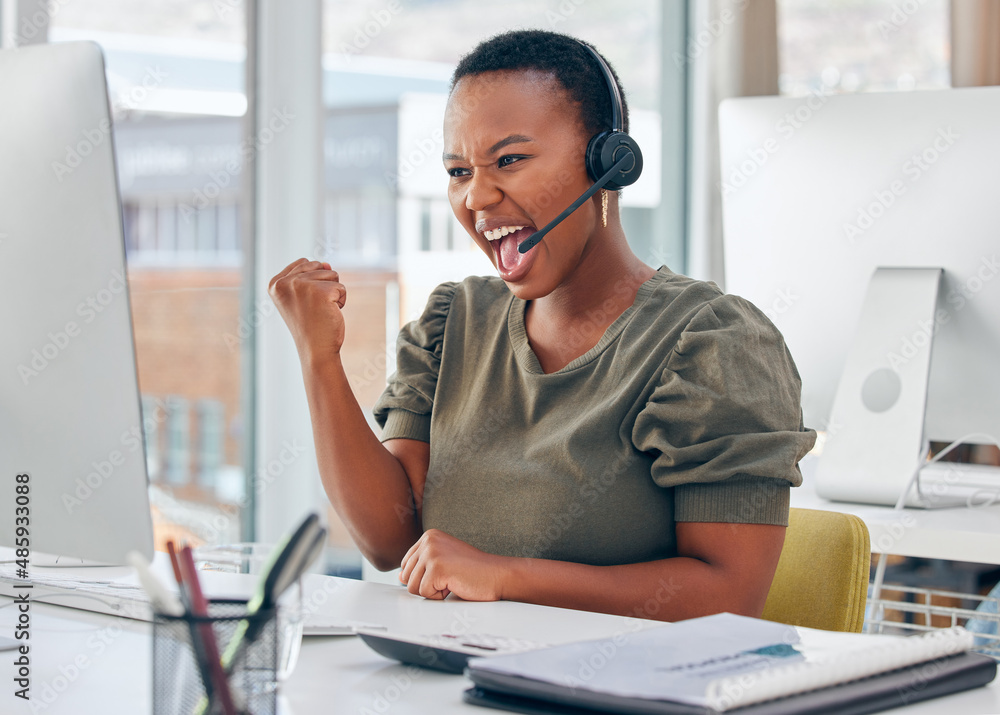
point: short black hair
(561, 55)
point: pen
(174, 563)
(199, 608)
(200, 657)
(201, 660)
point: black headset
(613, 158)
(607, 147)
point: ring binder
(721, 663)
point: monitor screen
(70, 422)
(819, 192)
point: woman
(583, 431)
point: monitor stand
(875, 439)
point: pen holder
(180, 669)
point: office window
(175, 74)
(425, 225)
(166, 228)
(228, 229)
(862, 45)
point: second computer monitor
(819, 192)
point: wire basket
(178, 683)
(907, 610)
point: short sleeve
(724, 422)
(404, 409)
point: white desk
(954, 534)
(101, 664)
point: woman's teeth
(498, 233)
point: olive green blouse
(687, 409)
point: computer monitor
(69, 399)
(867, 227)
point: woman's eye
(508, 159)
(458, 172)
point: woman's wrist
(511, 572)
(314, 359)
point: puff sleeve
(724, 421)
(404, 409)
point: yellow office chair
(822, 575)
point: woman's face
(514, 149)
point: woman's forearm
(668, 590)
(365, 483)
(719, 567)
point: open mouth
(504, 241)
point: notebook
(725, 662)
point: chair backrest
(822, 575)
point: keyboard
(446, 652)
(129, 600)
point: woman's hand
(309, 298)
(439, 564)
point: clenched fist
(309, 296)
(439, 564)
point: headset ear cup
(604, 150)
(593, 156)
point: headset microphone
(529, 243)
(613, 158)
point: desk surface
(90, 663)
(955, 534)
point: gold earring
(604, 207)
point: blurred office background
(251, 133)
